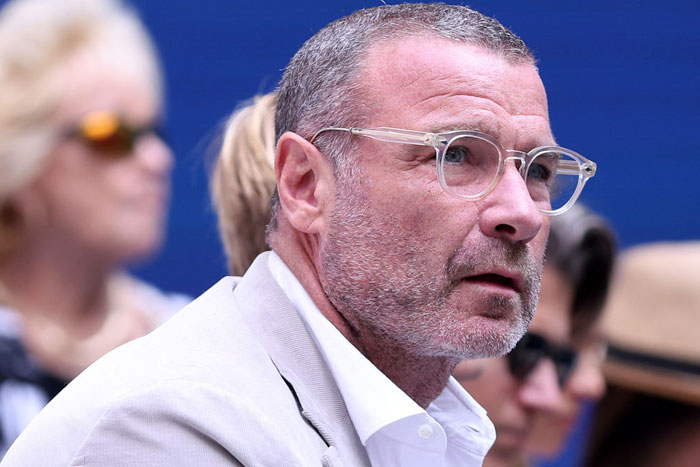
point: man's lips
(502, 279)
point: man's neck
(422, 378)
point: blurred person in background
(650, 416)
(84, 188)
(243, 181)
(537, 390)
(582, 248)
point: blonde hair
(37, 39)
(244, 179)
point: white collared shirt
(454, 431)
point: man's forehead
(425, 50)
(413, 60)
(451, 83)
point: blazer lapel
(330, 458)
(271, 316)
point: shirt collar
(373, 400)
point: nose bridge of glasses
(518, 158)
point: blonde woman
(84, 187)
(244, 179)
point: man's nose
(509, 212)
(540, 390)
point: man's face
(409, 266)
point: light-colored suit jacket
(234, 378)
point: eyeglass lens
(471, 164)
(552, 178)
(528, 352)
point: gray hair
(321, 85)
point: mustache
(493, 255)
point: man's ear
(305, 183)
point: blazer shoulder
(202, 383)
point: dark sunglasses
(528, 352)
(108, 133)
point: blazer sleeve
(147, 430)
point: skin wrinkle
(496, 97)
(489, 123)
(495, 105)
(407, 157)
(482, 99)
(486, 125)
(495, 101)
(483, 121)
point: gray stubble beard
(402, 308)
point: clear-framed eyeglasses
(470, 164)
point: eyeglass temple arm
(588, 168)
(389, 135)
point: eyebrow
(484, 126)
(531, 143)
(494, 129)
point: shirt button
(425, 431)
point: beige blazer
(232, 379)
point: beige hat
(652, 321)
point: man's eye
(539, 172)
(457, 155)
